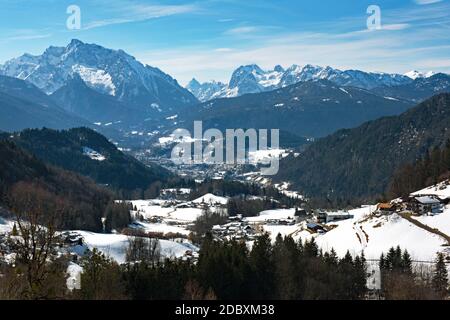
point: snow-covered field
(272, 214)
(211, 199)
(439, 221)
(183, 215)
(115, 245)
(178, 212)
(163, 228)
(264, 156)
(377, 235)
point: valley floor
(171, 221)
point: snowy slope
(382, 233)
(373, 235)
(150, 209)
(113, 245)
(272, 214)
(209, 198)
(442, 190)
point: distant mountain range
(315, 108)
(109, 90)
(418, 90)
(107, 71)
(359, 162)
(253, 79)
(307, 109)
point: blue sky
(208, 39)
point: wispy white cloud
(28, 37)
(371, 55)
(436, 64)
(395, 26)
(223, 50)
(424, 2)
(406, 41)
(131, 12)
(25, 34)
(242, 30)
(106, 22)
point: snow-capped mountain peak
(193, 84)
(278, 68)
(253, 79)
(108, 71)
(414, 74)
(245, 79)
(205, 91)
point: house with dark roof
(423, 204)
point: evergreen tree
(310, 249)
(263, 268)
(286, 256)
(406, 263)
(331, 258)
(440, 277)
(101, 278)
(360, 277)
(382, 263)
(14, 232)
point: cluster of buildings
(236, 229)
(314, 221)
(321, 216)
(417, 204)
(332, 216)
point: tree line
(429, 170)
(285, 269)
(399, 281)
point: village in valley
(172, 218)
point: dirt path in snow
(407, 216)
(360, 234)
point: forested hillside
(27, 183)
(87, 152)
(429, 170)
(358, 163)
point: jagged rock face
(253, 79)
(205, 91)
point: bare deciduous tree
(144, 250)
(36, 211)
